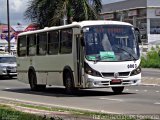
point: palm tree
(50, 12)
(87, 9)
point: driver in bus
(106, 43)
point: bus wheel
(117, 90)
(33, 82)
(69, 84)
(10, 76)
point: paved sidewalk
(150, 81)
(147, 80)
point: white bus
(87, 54)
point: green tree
(51, 12)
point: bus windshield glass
(110, 43)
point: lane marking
(157, 91)
(119, 100)
(157, 103)
(145, 90)
(7, 88)
(137, 90)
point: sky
(17, 8)
(110, 1)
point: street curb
(52, 105)
(53, 115)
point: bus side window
(66, 41)
(22, 50)
(42, 43)
(32, 45)
(53, 42)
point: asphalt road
(151, 72)
(134, 100)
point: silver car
(8, 66)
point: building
(14, 31)
(4, 37)
(144, 14)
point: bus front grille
(121, 74)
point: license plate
(13, 70)
(115, 81)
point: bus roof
(77, 24)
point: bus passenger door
(79, 60)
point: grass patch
(8, 113)
(152, 58)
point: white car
(8, 66)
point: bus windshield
(110, 43)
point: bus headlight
(136, 71)
(3, 67)
(90, 71)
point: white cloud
(17, 9)
(18, 5)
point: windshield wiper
(127, 52)
(97, 59)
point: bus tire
(69, 83)
(10, 77)
(117, 90)
(33, 82)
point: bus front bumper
(93, 82)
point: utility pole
(8, 19)
(65, 15)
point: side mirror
(138, 35)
